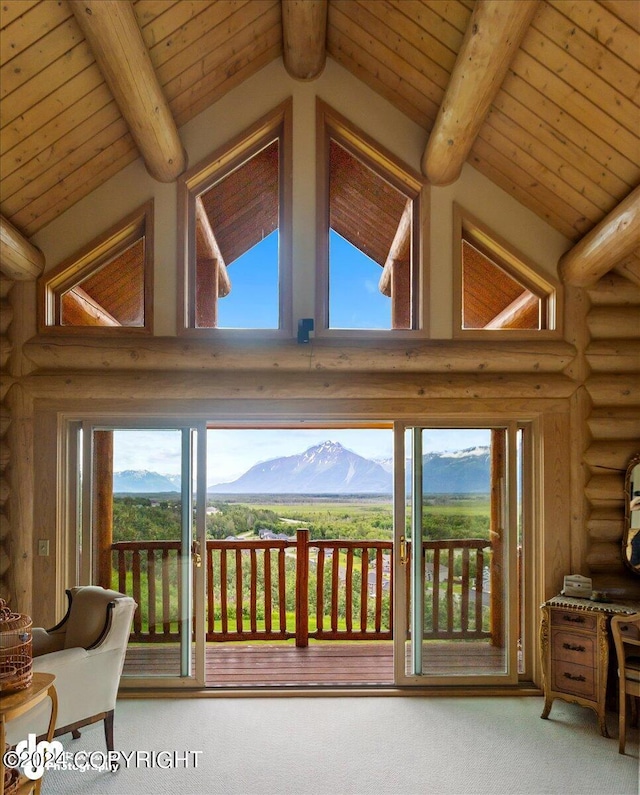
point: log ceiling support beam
(400, 249)
(115, 39)
(304, 37)
(629, 268)
(19, 259)
(395, 280)
(211, 278)
(516, 312)
(612, 240)
(494, 34)
(207, 248)
(80, 309)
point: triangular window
(369, 274)
(496, 290)
(108, 284)
(236, 254)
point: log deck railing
(301, 589)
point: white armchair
(86, 653)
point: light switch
(43, 547)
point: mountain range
(458, 472)
(329, 468)
(142, 481)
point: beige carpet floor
(344, 746)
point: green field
(444, 516)
(349, 517)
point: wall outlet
(43, 547)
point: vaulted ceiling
(561, 133)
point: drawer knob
(574, 619)
(578, 678)
(571, 647)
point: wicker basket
(16, 656)
(11, 781)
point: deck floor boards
(332, 663)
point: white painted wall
(228, 117)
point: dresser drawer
(574, 619)
(576, 679)
(573, 647)
(630, 631)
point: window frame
(97, 254)
(275, 125)
(331, 125)
(516, 265)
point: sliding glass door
(446, 593)
(142, 533)
(456, 539)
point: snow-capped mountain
(468, 452)
(457, 471)
(327, 468)
(141, 481)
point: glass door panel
(143, 528)
(456, 533)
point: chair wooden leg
(108, 730)
(634, 710)
(622, 721)
(75, 733)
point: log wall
(6, 318)
(612, 423)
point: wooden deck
(324, 664)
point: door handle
(195, 554)
(403, 550)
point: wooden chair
(626, 637)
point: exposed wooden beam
(19, 259)
(613, 239)
(517, 311)
(112, 31)
(211, 278)
(395, 280)
(494, 34)
(80, 309)
(170, 354)
(324, 388)
(629, 268)
(400, 249)
(304, 35)
(209, 248)
(401, 305)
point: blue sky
(230, 452)
(354, 298)
(253, 300)
(355, 302)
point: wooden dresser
(575, 648)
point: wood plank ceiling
(561, 135)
